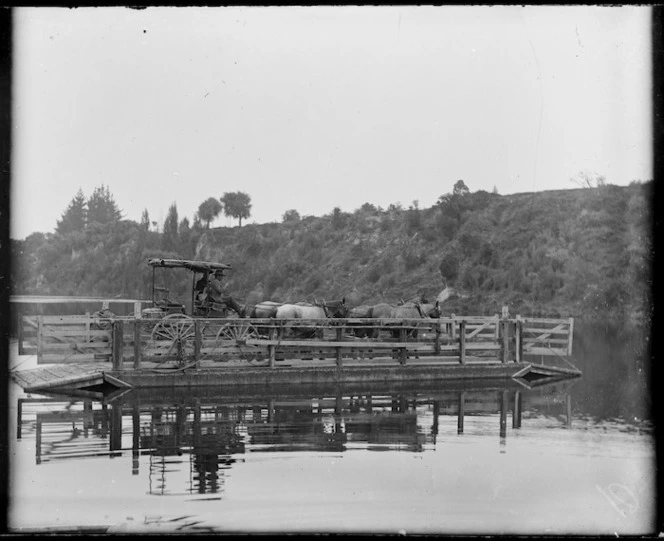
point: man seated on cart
(210, 292)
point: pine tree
(170, 240)
(145, 220)
(74, 218)
(102, 207)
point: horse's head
(429, 310)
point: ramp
(60, 377)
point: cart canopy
(196, 266)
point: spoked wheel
(232, 338)
(174, 335)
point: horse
(412, 310)
(318, 310)
(363, 311)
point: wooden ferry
(161, 346)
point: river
(498, 457)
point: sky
(312, 108)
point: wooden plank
(83, 381)
(115, 381)
(538, 330)
(571, 334)
(480, 328)
(73, 347)
(75, 333)
(545, 351)
(564, 342)
(323, 343)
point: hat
(219, 271)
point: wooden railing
(175, 342)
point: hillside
(579, 252)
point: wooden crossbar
(548, 334)
(480, 329)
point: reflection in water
(210, 434)
(538, 457)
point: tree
(208, 210)
(236, 205)
(74, 218)
(170, 234)
(145, 220)
(460, 188)
(102, 207)
(338, 218)
(290, 216)
(184, 236)
(588, 179)
(198, 223)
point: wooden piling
(135, 439)
(516, 414)
(117, 343)
(503, 414)
(462, 401)
(115, 440)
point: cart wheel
(235, 335)
(174, 335)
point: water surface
(566, 457)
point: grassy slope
(558, 253)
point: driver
(216, 289)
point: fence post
(402, 351)
(20, 332)
(504, 324)
(197, 342)
(40, 339)
(117, 343)
(569, 339)
(505, 331)
(272, 349)
(339, 356)
(437, 343)
(137, 344)
(462, 341)
(518, 353)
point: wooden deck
(106, 354)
